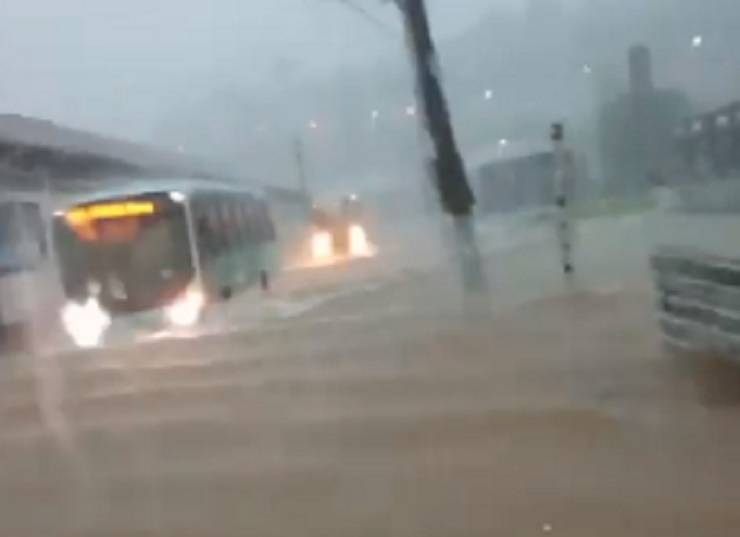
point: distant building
(641, 71)
(708, 145)
(636, 129)
(521, 180)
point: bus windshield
(133, 253)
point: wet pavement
(367, 400)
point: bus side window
(241, 219)
(270, 233)
(265, 231)
(241, 222)
(233, 235)
(207, 229)
(221, 216)
(249, 219)
(217, 232)
(205, 236)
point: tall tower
(641, 71)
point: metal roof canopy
(40, 155)
(129, 187)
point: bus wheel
(264, 280)
(226, 293)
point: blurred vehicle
(26, 267)
(159, 254)
(339, 234)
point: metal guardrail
(698, 300)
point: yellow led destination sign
(82, 215)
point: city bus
(158, 253)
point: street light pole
(300, 166)
(450, 177)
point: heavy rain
(369, 267)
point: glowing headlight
(85, 323)
(322, 245)
(186, 310)
(358, 243)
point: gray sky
(116, 66)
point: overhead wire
(368, 16)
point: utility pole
(450, 177)
(300, 163)
(563, 194)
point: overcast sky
(116, 65)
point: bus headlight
(85, 323)
(185, 311)
(322, 245)
(358, 243)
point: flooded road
(381, 410)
